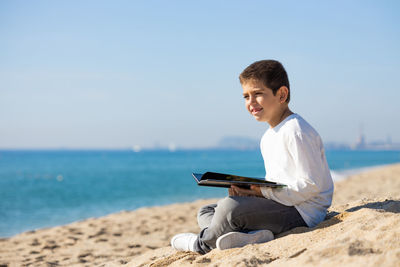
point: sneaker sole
(238, 239)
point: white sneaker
(183, 242)
(238, 239)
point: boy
(293, 154)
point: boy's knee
(205, 214)
(229, 206)
(203, 210)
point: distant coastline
(231, 143)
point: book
(226, 180)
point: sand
(361, 229)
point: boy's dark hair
(270, 72)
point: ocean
(45, 188)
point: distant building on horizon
(362, 144)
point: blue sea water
(47, 188)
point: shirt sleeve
(306, 154)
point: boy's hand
(254, 190)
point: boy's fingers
(234, 188)
(243, 191)
(231, 192)
(254, 187)
(257, 190)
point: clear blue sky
(112, 74)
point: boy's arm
(306, 153)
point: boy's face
(261, 102)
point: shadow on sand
(334, 217)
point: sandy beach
(362, 229)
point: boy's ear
(283, 93)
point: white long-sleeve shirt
(294, 155)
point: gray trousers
(243, 214)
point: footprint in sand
(75, 231)
(204, 260)
(52, 263)
(134, 246)
(35, 242)
(181, 219)
(102, 231)
(83, 260)
(133, 253)
(73, 238)
(82, 257)
(51, 247)
(40, 258)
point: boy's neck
(283, 115)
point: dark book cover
(226, 180)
